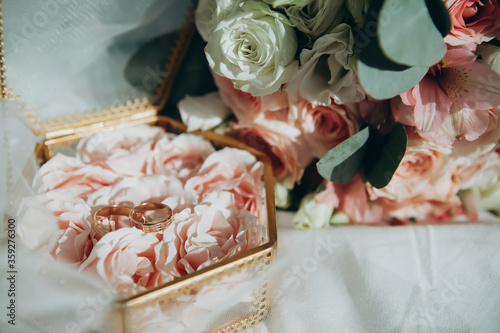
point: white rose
(314, 17)
(312, 215)
(203, 112)
(487, 197)
(325, 73)
(340, 219)
(255, 48)
(480, 176)
(358, 10)
(210, 12)
(490, 55)
(282, 196)
(277, 3)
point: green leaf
(341, 163)
(383, 155)
(385, 83)
(407, 34)
(379, 76)
(440, 16)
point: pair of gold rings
(149, 217)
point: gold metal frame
(258, 258)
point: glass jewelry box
(63, 84)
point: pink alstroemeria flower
(458, 90)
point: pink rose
(473, 21)
(421, 211)
(70, 173)
(124, 150)
(181, 157)
(57, 222)
(477, 171)
(282, 143)
(206, 236)
(425, 172)
(423, 189)
(124, 261)
(132, 191)
(233, 170)
(423, 186)
(324, 127)
(245, 106)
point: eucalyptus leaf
(383, 155)
(341, 163)
(379, 76)
(440, 16)
(407, 34)
(386, 83)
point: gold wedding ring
(151, 217)
(103, 221)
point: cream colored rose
(210, 12)
(358, 10)
(490, 55)
(255, 48)
(282, 196)
(325, 73)
(487, 196)
(312, 215)
(203, 112)
(314, 17)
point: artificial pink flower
(233, 170)
(458, 93)
(473, 21)
(181, 157)
(126, 151)
(70, 173)
(324, 127)
(132, 191)
(57, 222)
(124, 261)
(205, 236)
(245, 106)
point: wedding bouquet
(398, 100)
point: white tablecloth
(436, 278)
